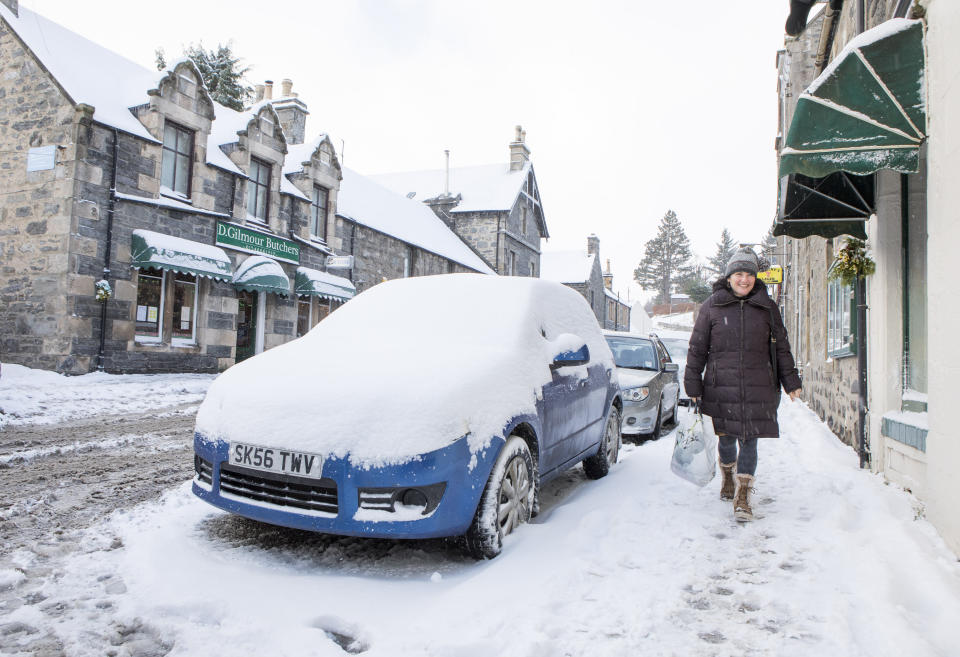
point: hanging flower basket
(104, 291)
(853, 262)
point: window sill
(906, 427)
(257, 222)
(843, 353)
(169, 193)
(148, 342)
(183, 344)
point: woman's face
(741, 282)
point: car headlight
(636, 394)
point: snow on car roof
(406, 367)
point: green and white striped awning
(155, 250)
(867, 111)
(312, 282)
(261, 274)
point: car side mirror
(671, 367)
(579, 356)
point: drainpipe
(109, 246)
(826, 35)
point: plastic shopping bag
(695, 450)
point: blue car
(424, 407)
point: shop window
(149, 305)
(258, 190)
(318, 212)
(841, 320)
(177, 159)
(303, 315)
(184, 309)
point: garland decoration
(853, 262)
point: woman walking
(735, 337)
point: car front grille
(204, 470)
(310, 494)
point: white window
(149, 318)
(177, 159)
(258, 189)
(840, 319)
(523, 221)
(318, 212)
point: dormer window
(267, 125)
(258, 189)
(177, 159)
(318, 212)
(324, 156)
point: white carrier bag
(695, 451)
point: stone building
(868, 150)
(581, 271)
(496, 209)
(144, 227)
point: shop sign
(340, 262)
(239, 238)
(772, 275)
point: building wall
(943, 448)
(480, 230)
(36, 213)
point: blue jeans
(746, 459)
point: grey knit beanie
(743, 260)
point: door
(246, 325)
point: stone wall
(36, 211)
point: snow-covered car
(649, 383)
(677, 344)
(424, 407)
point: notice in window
(141, 313)
(152, 314)
(185, 318)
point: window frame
(841, 329)
(315, 218)
(158, 338)
(254, 186)
(180, 341)
(176, 153)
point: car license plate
(273, 459)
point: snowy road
(112, 555)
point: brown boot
(728, 485)
(741, 501)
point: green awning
(312, 282)
(261, 274)
(837, 204)
(156, 250)
(867, 110)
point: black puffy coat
(731, 339)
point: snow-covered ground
(29, 396)
(637, 563)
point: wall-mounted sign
(772, 275)
(340, 262)
(243, 239)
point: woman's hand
(794, 394)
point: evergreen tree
(768, 246)
(697, 284)
(221, 71)
(726, 247)
(666, 258)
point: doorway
(246, 324)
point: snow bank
(29, 396)
(406, 367)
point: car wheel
(655, 433)
(598, 465)
(507, 500)
(676, 406)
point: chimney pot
(268, 90)
(286, 86)
(258, 89)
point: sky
(630, 108)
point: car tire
(655, 433)
(507, 500)
(598, 465)
(676, 409)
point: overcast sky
(630, 108)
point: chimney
(608, 277)
(446, 180)
(292, 112)
(268, 89)
(258, 90)
(519, 153)
(593, 245)
(13, 6)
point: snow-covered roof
(616, 297)
(297, 154)
(489, 187)
(567, 266)
(362, 200)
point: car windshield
(677, 348)
(634, 353)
